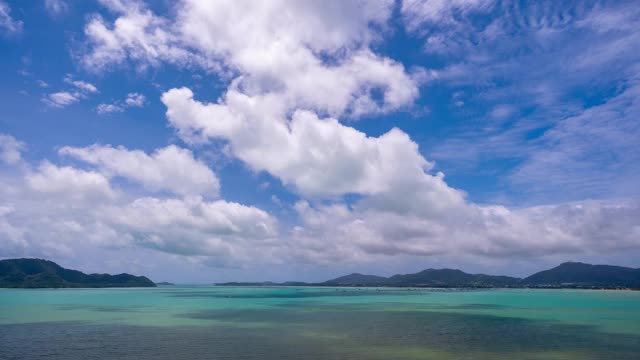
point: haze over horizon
(202, 142)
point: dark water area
(317, 325)
(370, 334)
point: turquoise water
(196, 322)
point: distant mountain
(38, 273)
(567, 275)
(248, 283)
(165, 283)
(575, 274)
(427, 278)
(356, 279)
(263, 283)
(452, 278)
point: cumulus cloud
(336, 233)
(81, 209)
(278, 51)
(170, 168)
(8, 24)
(69, 183)
(271, 112)
(192, 226)
(136, 35)
(317, 156)
(10, 149)
(295, 78)
(293, 55)
(405, 209)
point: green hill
(38, 273)
(575, 274)
(357, 279)
(567, 275)
(427, 278)
(452, 278)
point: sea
(209, 322)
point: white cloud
(291, 64)
(56, 7)
(81, 85)
(70, 183)
(10, 149)
(170, 168)
(418, 12)
(137, 35)
(592, 153)
(502, 111)
(292, 75)
(108, 108)
(262, 114)
(566, 71)
(81, 212)
(62, 98)
(276, 200)
(336, 233)
(276, 48)
(8, 25)
(191, 226)
(85, 86)
(132, 100)
(319, 157)
(135, 100)
(405, 210)
(78, 219)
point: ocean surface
(206, 322)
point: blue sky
(209, 141)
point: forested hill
(38, 273)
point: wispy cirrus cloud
(527, 71)
(8, 24)
(56, 7)
(79, 90)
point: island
(569, 275)
(39, 273)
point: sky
(207, 141)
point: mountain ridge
(40, 273)
(565, 275)
(578, 274)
